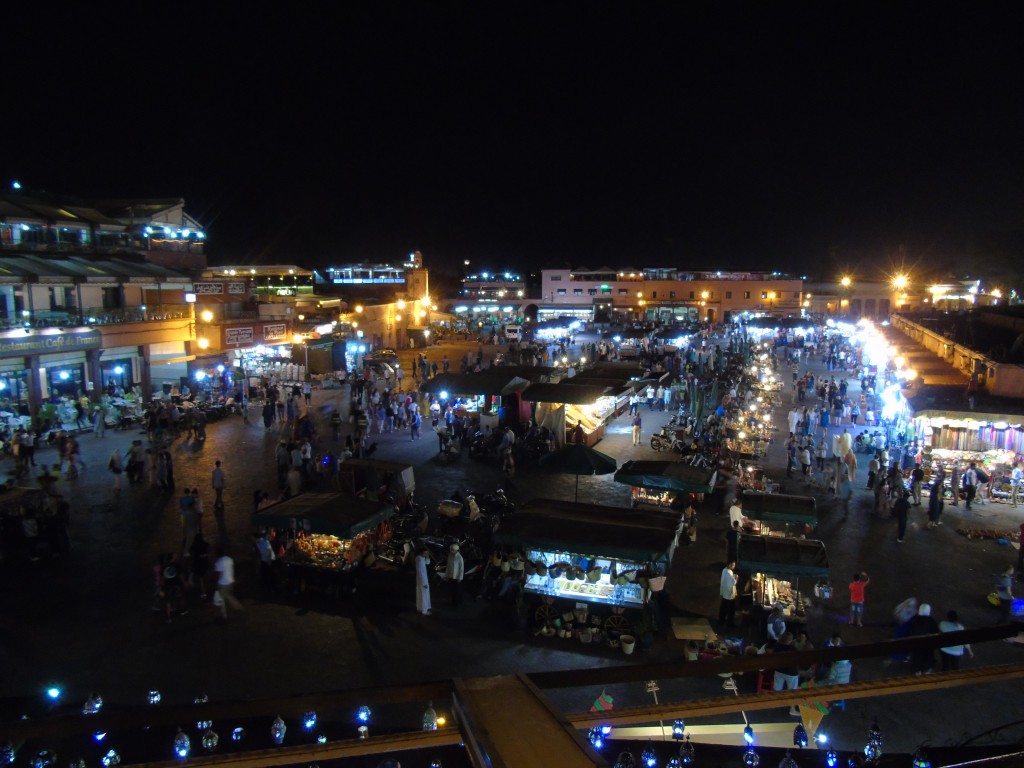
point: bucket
(628, 643)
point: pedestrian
(217, 480)
(422, 582)
(900, 510)
(970, 481)
(787, 676)
(1016, 482)
(935, 502)
(805, 462)
(224, 567)
(951, 654)
(732, 542)
(116, 467)
(922, 661)
(727, 591)
(636, 428)
(99, 424)
(454, 574)
(307, 392)
(917, 483)
(857, 586)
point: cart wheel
(546, 614)
(617, 623)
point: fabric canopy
(333, 513)
(575, 394)
(592, 531)
(491, 382)
(782, 556)
(780, 508)
(667, 475)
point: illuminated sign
(238, 335)
(236, 288)
(275, 332)
(18, 344)
(207, 289)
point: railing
(71, 317)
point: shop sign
(238, 335)
(207, 289)
(46, 343)
(236, 288)
(285, 291)
(275, 332)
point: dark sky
(809, 137)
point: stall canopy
(366, 478)
(667, 476)
(337, 514)
(782, 557)
(491, 382)
(584, 529)
(780, 508)
(574, 394)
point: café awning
(667, 476)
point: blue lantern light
(748, 734)
(53, 693)
(99, 735)
(678, 730)
(832, 759)
(278, 730)
(921, 759)
(363, 714)
(649, 758)
(238, 734)
(596, 738)
(800, 735)
(321, 738)
(686, 752)
(751, 758)
(111, 759)
(309, 720)
(182, 744)
(153, 697)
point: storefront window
(65, 381)
(116, 373)
(14, 392)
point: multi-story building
(89, 296)
(493, 286)
(668, 294)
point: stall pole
(652, 688)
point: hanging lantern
(674, 762)
(748, 734)
(238, 734)
(44, 759)
(436, 764)
(678, 729)
(77, 763)
(7, 754)
(751, 758)
(686, 751)
(364, 732)
(92, 705)
(625, 760)
(831, 759)
(649, 758)
(204, 725)
(309, 720)
(873, 749)
(111, 759)
(321, 738)
(202, 698)
(182, 744)
(153, 697)
(277, 730)
(596, 738)
(363, 714)
(210, 740)
(855, 761)
(921, 759)
(430, 717)
(799, 735)
(788, 761)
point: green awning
(337, 514)
(667, 476)
(782, 556)
(780, 508)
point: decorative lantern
(182, 744)
(277, 730)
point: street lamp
(844, 298)
(899, 282)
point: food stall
(657, 483)
(375, 480)
(560, 407)
(485, 396)
(325, 537)
(586, 565)
(783, 508)
(771, 568)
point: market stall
(486, 396)
(376, 480)
(800, 512)
(772, 567)
(658, 483)
(325, 537)
(560, 407)
(587, 565)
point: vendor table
(698, 629)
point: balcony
(71, 317)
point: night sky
(815, 138)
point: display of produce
(586, 416)
(653, 497)
(582, 578)
(770, 591)
(319, 550)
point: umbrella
(578, 459)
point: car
(384, 355)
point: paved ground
(86, 622)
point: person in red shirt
(860, 581)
